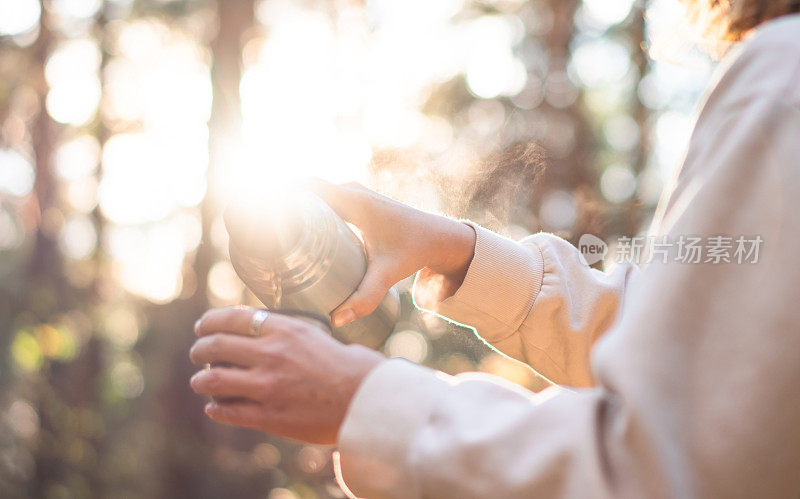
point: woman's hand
(399, 240)
(293, 379)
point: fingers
(236, 412)
(233, 349)
(237, 320)
(225, 382)
(365, 299)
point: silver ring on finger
(259, 317)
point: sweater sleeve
(534, 300)
(696, 383)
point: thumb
(342, 199)
(365, 299)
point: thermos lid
(265, 227)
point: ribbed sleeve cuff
(498, 291)
(375, 437)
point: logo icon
(592, 249)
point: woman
(687, 374)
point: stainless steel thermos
(296, 254)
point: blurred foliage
(124, 125)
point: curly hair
(731, 20)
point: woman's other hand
(399, 240)
(292, 378)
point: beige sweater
(689, 372)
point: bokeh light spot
(558, 210)
(311, 459)
(56, 343)
(22, 418)
(16, 173)
(18, 16)
(121, 328)
(600, 62)
(408, 344)
(621, 132)
(80, 9)
(266, 455)
(26, 352)
(126, 379)
(78, 237)
(72, 72)
(77, 158)
(617, 183)
(602, 14)
(281, 493)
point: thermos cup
(295, 254)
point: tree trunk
(181, 411)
